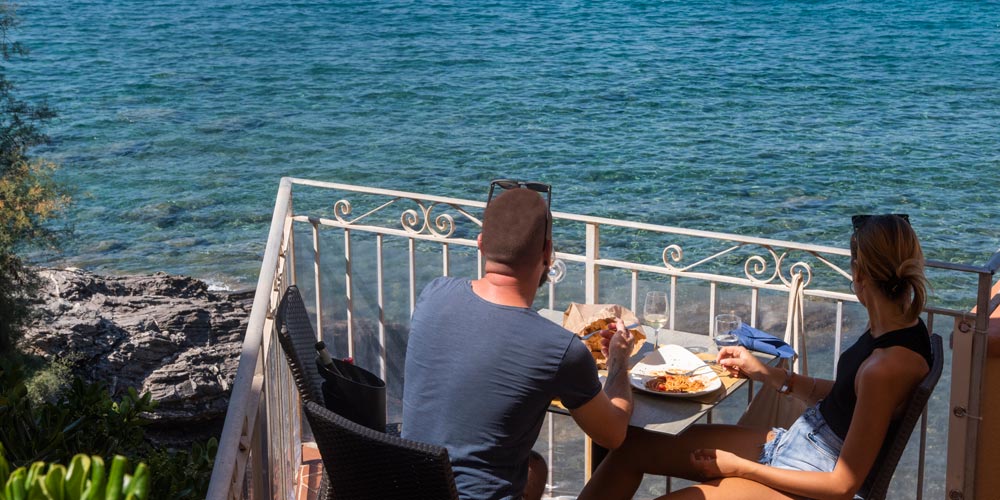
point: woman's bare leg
(730, 488)
(645, 452)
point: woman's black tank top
(838, 407)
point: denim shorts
(808, 445)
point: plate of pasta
(663, 372)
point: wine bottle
(325, 359)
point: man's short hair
(514, 227)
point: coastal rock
(168, 335)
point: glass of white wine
(654, 313)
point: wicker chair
(877, 482)
(365, 464)
(298, 341)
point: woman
(829, 450)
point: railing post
(968, 365)
(319, 284)
(349, 286)
(592, 278)
(592, 271)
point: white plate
(672, 358)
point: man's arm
(605, 417)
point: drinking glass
(725, 326)
(654, 314)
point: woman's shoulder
(893, 367)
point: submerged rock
(168, 335)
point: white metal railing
(259, 451)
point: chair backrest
(363, 464)
(298, 341)
(877, 483)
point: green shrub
(183, 475)
(28, 194)
(50, 382)
(85, 419)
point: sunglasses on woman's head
(859, 220)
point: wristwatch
(786, 388)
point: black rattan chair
(365, 464)
(298, 341)
(877, 483)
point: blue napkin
(756, 340)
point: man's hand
(617, 344)
(605, 417)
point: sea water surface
(763, 118)
(776, 119)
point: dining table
(666, 413)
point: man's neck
(505, 290)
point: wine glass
(725, 326)
(654, 314)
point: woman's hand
(738, 361)
(716, 463)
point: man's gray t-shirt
(478, 379)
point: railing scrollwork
(418, 220)
(755, 267)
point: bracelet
(786, 388)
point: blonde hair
(886, 249)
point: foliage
(28, 194)
(183, 475)
(85, 479)
(85, 419)
(49, 382)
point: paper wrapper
(578, 317)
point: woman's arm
(808, 389)
(883, 382)
(738, 360)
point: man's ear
(479, 242)
(547, 253)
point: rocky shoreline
(165, 334)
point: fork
(692, 371)
(591, 334)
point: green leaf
(54, 482)
(138, 487)
(15, 488)
(115, 478)
(76, 477)
(4, 467)
(35, 492)
(95, 488)
(35, 472)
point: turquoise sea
(764, 118)
(776, 119)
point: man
(482, 366)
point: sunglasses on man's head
(859, 220)
(512, 184)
